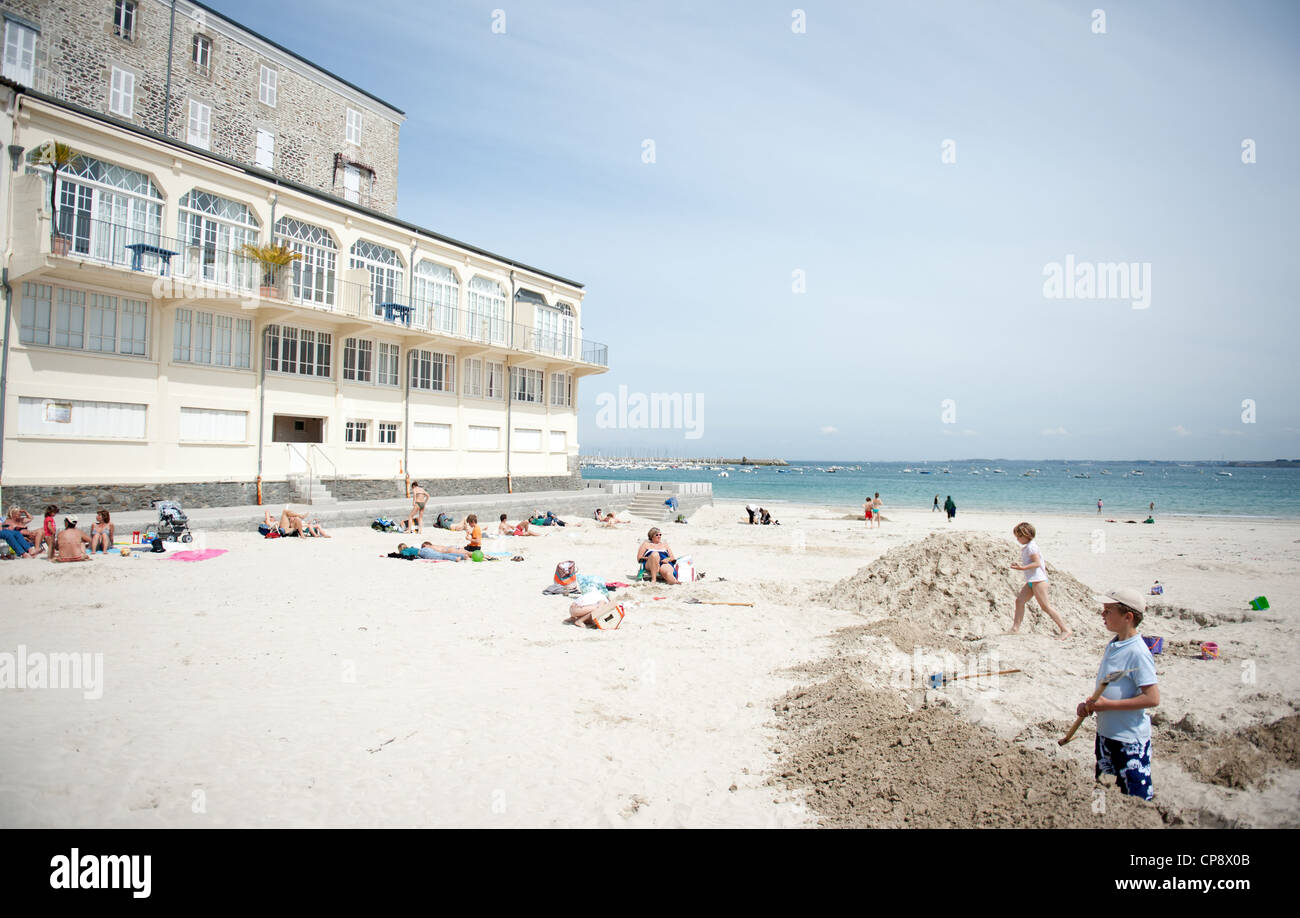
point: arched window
(313, 274)
(385, 267)
(212, 230)
(486, 309)
(437, 298)
(104, 207)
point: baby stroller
(173, 524)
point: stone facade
(85, 499)
(77, 50)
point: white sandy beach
(316, 683)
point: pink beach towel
(203, 555)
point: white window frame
(199, 127)
(358, 360)
(314, 274)
(264, 151)
(268, 86)
(386, 433)
(388, 364)
(352, 183)
(201, 55)
(121, 93)
(561, 394)
(564, 441)
(279, 340)
(228, 342)
(422, 364)
(124, 16)
(485, 308)
(356, 432)
(20, 52)
(215, 229)
(387, 279)
(526, 385)
(524, 441)
(353, 126)
(470, 434)
(48, 312)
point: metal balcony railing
(144, 249)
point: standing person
(1035, 568)
(1123, 745)
(49, 530)
(866, 511)
(419, 497)
(1151, 508)
(950, 508)
(936, 504)
(101, 532)
(1099, 505)
(876, 504)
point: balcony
(142, 261)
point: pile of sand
(864, 759)
(959, 584)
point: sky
(838, 248)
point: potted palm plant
(273, 259)
(57, 156)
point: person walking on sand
(1035, 568)
(866, 511)
(1123, 744)
(950, 508)
(1099, 505)
(876, 504)
(936, 504)
(419, 497)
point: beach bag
(157, 547)
(444, 521)
(383, 525)
(685, 571)
(609, 619)
(566, 573)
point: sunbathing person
(608, 520)
(101, 532)
(20, 519)
(519, 529)
(313, 528)
(442, 552)
(587, 607)
(658, 558)
(70, 544)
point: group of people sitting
(27, 540)
(608, 520)
(758, 515)
(291, 524)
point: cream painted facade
(212, 313)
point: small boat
(998, 472)
(1083, 475)
(906, 471)
(1135, 472)
(1224, 474)
(723, 475)
(1105, 471)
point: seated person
(442, 552)
(70, 544)
(658, 558)
(608, 520)
(101, 532)
(766, 518)
(520, 529)
(474, 537)
(313, 528)
(291, 523)
(21, 520)
(15, 539)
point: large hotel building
(147, 354)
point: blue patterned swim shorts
(1129, 762)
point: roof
(274, 179)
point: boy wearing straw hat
(1123, 745)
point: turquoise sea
(1176, 488)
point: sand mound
(866, 760)
(959, 584)
(1240, 759)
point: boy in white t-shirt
(1123, 745)
(1035, 568)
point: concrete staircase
(308, 489)
(650, 505)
